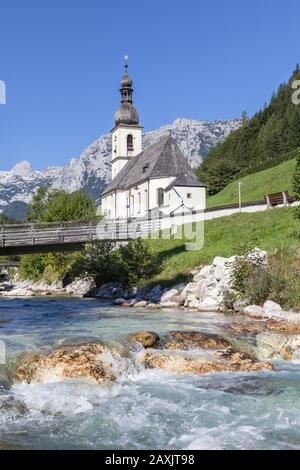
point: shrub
(99, 261)
(138, 262)
(253, 281)
(279, 281)
(32, 267)
(284, 267)
(50, 267)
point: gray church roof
(161, 159)
(185, 179)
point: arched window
(129, 142)
(146, 200)
(160, 197)
(139, 202)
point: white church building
(155, 178)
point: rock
(240, 304)
(219, 267)
(202, 274)
(246, 328)
(12, 405)
(168, 295)
(254, 311)
(171, 299)
(82, 287)
(194, 288)
(141, 303)
(182, 340)
(278, 346)
(148, 339)
(6, 286)
(191, 302)
(20, 292)
(111, 290)
(282, 326)
(179, 288)
(70, 362)
(67, 280)
(155, 294)
(119, 301)
(154, 306)
(171, 304)
(130, 293)
(130, 303)
(218, 361)
(208, 304)
(270, 307)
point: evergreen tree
(296, 178)
(268, 136)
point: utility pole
(240, 184)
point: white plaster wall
(138, 209)
(175, 195)
(119, 141)
(154, 185)
(108, 206)
(117, 166)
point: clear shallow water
(144, 408)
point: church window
(139, 201)
(146, 199)
(129, 142)
(145, 168)
(189, 195)
(160, 197)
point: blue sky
(203, 59)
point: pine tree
(296, 178)
(269, 136)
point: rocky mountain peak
(92, 170)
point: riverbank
(212, 289)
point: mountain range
(92, 170)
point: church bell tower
(127, 134)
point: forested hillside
(263, 141)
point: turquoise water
(144, 409)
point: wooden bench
(277, 199)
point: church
(157, 178)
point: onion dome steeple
(126, 114)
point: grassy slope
(223, 237)
(278, 178)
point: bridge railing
(50, 225)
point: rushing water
(144, 408)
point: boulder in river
(250, 328)
(227, 360)
(70, 362)
(82, 287)
(148, 339)
(278, 346)
(181, 340)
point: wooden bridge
(72, 236)
(67, 236)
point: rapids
(143, 409)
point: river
(144, 409)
